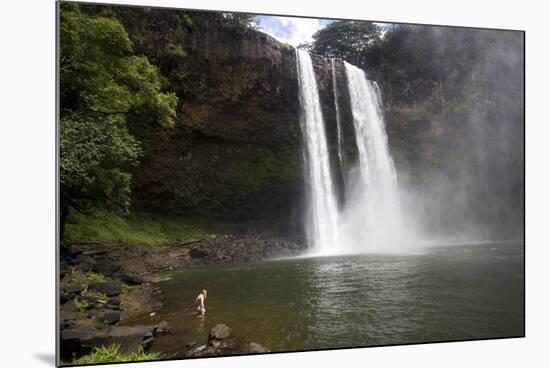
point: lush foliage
(348, 40)
(115, 72)
(135, 228)
(105, 90)
(113, 354)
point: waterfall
(322, 221)
(372, 220)
(338, 122)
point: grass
(94, 277)
(136, 228)
(113, 354)
(81, 305)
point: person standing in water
(199, 302)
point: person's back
(199, 302)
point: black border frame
(58, 195)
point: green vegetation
(94, 277)
(105, 88)
(82, 305)
(348, 40)
(101, 298)
(119, 86)
(113, 354)
(135, 228)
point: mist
(459, 147)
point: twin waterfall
(370, 219)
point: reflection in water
(362, 300)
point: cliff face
(236, 150)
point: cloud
(295, 31)
(291, 30)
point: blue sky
(295, 31)
(291, 30)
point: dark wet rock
(65, 297)
(198, 253)
(89, 299)
(109, 288)
(72, 251)
(131, 278)
(73, 289)
(162, 328)
(219, 332)
(131, 338)
(67, 317)
(255, 348)
(82, 339)
(140, 301)
(114, 301)
(106, 266)
(79, 340)
(107, 316)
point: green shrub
(112, 354)
(81, 305)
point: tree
(346, 39)
(105, 91)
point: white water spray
(322, 222)
(371, 220)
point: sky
(296, 31)
(291, 30)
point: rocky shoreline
(102, 284)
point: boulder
(255, 348)
(73, 289)
(219, 332)
(73, 251)
(106, 267)
(198, 253)
(113, 303)
(79, 340)
(82, 339)
(131, 278)
(109, 288)
(105, 316)
(162, 328)
(132, 338)
(89, 299)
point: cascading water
(370, 220)
(322, 222)
(338, 122)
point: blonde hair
(203, 291)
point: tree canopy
(105, 89)
(346, 39)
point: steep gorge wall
(236, 150)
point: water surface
(445, 293)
